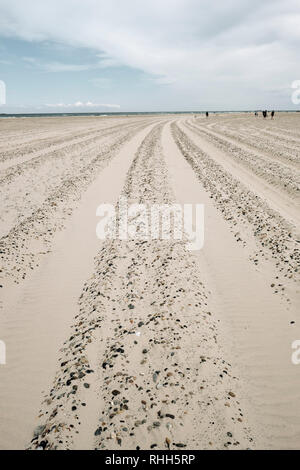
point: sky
(137, 55)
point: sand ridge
(149, 359)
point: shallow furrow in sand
(30, 239)
(159, 369)
(161, 348)
(16, 166)
(261, 325)
(275, 239)
(286, 153)
(16, 149)
(283, 178)
(47, 143)
(25, 189)
(292, 142)
(286, 132)
(279, 202)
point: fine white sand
(132, 344)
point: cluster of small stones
(25, 186)
(22, 248)
(47, 145)
(245, 211)
(275, 173)
(264, 142)
(147, 310)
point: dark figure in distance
(206, 114)
(272, 114)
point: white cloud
(79, 104)
(219, 51)
(60, 67)
(64, 67)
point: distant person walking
(272, 114)
(206, 114)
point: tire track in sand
(257, 326)
(160, 379)
(37, 313)
(272, 237)
(278, 201)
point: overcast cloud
(232, 54)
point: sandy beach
(143, 344)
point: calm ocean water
(30, 115)
(4, 115)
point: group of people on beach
(265, 114)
